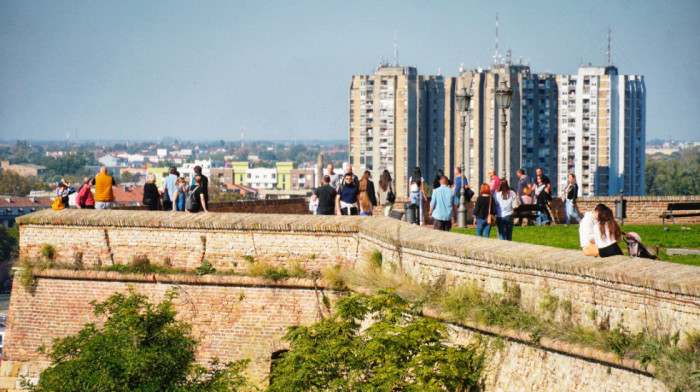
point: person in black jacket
(482, 208)
(571, 193)
(151, 196)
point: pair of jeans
(542, 217)
(417, 198)
(483, 229)
(570, 213)
(505, 228)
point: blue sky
(282, 69)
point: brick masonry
(635, 293)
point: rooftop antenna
(608, 53)
(496, 55)
(509, 54)
(242, 137)
(396, 52)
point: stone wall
(297, 206)
(634, 293)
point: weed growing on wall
(48, 252)
(205, 269)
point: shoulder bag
(491, 219)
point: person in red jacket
(85, 199)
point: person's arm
(337, 204)
(204, 202)
(422, 188)
(177, 191)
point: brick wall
(299, 206)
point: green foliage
(671, 176)
(9, 243)
(129, 177)
(297, 271)
(48, 252)
(205, 269)
(12, 184)
(400, 351)
(249, 258)
(375, 258)
(265, 270)
(141, 347)
(70, 165)
(27, 278)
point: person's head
(458, 171)
(572, 178)
(444, 181)
(180, 181)
(520, 172)
(440, 174)
(172, 170)
(103, 170)
(417, 173)
(366, 175)
(492, 173)
(538, 179)
(86, 180)
(504, 188)
(385, 179)
(539, 171)
(198, 169)
(605, 218)
(348, 169)
(326, 179)
(329, 168)
(150, 178)
(348, 179)
(485, 189)
(197, 180)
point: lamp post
(503, 96)
(463, 99)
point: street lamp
(503, 97)
(463, 99)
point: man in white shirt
(585, 232)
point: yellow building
(284, 175)
(240, 173)
(160, 172)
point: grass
(567, 237)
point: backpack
(191, 202)
(635, 246)
(58, 203)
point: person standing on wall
(325, 194)
(570, 194)
(443, 205)
(85, 200)
(104, 196)
(386, 193)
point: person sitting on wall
(585, 233)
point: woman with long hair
(483, 206)
(541, 199)
(438, 176)
(505, 204)
(416, 188)
(366, 194)
(179, 196)
(607, 233)
(386, 194)
(570, 195)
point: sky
(203, 70)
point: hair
(150, 178)
(607, 220)
(458, 169)
(172, 170)
(197, 169)
(521, 171)
(504, 189)
(540, 169)
(385, 180)
(539, 178)
(417, 175)
(364, 197)
(438, 177)
(177, 173)
(326, 179)
(198, 179)
(573, 175)
(366, 175)
(180, 180)
(485, 189)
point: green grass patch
(566, 237)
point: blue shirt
(458, 184)
(442, 201)
(169, 183)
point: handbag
(469, 193)
(391, 197)
(491, 219)
(516, 201)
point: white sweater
(585, 229)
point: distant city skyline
(282, 70)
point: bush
(205, 269)
(48, 252)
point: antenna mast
(608, 53)
(396, 52)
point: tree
(140, 348)
(130, 177)
(68, 164)
(676, 175)
(400, 351)
(12, 184)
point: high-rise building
(530, 135)
(398, 120)
(602, 125)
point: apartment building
(602, 126)
(398, 120)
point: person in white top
(506, 202)
(607, 232)
(585, 233)
(416, 188)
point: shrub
(265, 270)
(375, 258)
(48, 252)
(205, 268)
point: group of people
(102, 199)
(176, 194)
(349, 195)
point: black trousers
(610, 250)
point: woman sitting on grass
(607, 233)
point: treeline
(674, 175)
